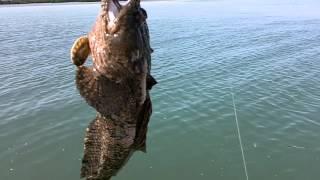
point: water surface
(267, 54)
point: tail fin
(106, 149)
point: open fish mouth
(115, 9)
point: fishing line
(239, 136)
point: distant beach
(48, 2)
(6, 2)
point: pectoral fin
(99, 92)
(80, 51)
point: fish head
(118, 41)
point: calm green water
(269, 53)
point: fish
(117, 85)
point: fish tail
(107, 148)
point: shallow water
(267, 54)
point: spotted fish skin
(117, 86)
(116, 132)
(105, 142)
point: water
(268, 53)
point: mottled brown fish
(117, 86)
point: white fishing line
(239, 136)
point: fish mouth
(113, 8)
(116, 9)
